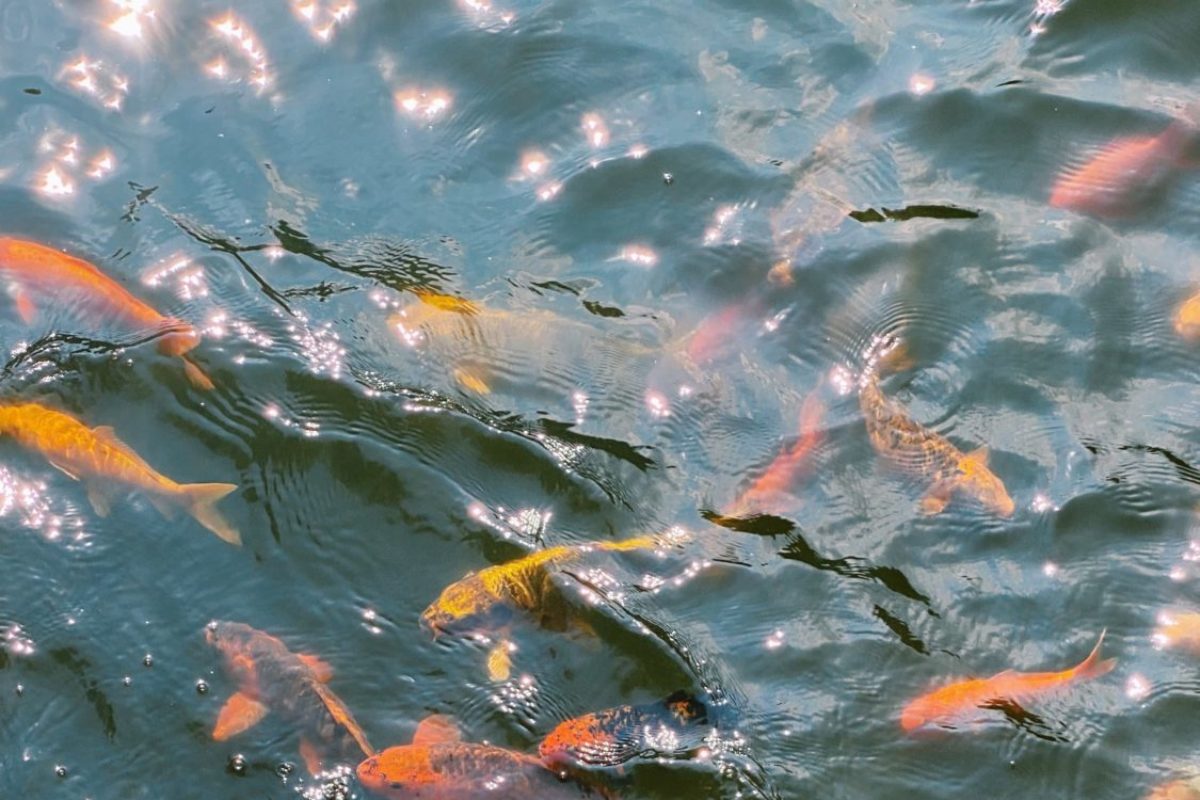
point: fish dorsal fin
(436, 729)
(977, 458)
(1008, 673)
(240, 712)
(321, 669)
(105, 433)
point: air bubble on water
(201, 686)
(148, 660)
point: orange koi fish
(1125, 173)
(28, 267)
(910, 444)
(1187, 318)
(272, 678)
(772, 489)
(1184, 789)
(98, 458)
(1178, 630)
(960, 701)
(611, 737)
(438, 765)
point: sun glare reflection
(237, 35)
(323, 18)
(96, 80)
(131, 17)
(28, 502)
(423, 104)
(595, 130)
(638, 254)
(186, 279)
(486, 15)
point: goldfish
(439, 765)
(486, 598)
(525, 583)
(1187, 318)
(482, 347)
(910, 444)
(270, 677)
(29, 267)
(102, 461)
(1183, 789)
(614, 736)
(1178, 630)
(770, 491)
(958, 701)
(1125, 173)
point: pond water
(477, 279)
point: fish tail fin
(1093, 666)
(196, 376)
(201, 501)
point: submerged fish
(1178, 630)
(1126, 173)
(772, 491)
(1187, 318)
(438, 765)
(482, 347)
(526, 584)
(1182, 789)
(103, 462)
(271, 678)
(911, 445)
(609, 738)
(484, 600)
(30, 268)
(960, 701)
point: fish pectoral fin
(499, 661)
(436, 729)
(935, 501)
(240, 712)
(471, 380)
(100, 497)
(164, 505)
(321, 669)
(197, 377)
(976, 458)
(105, 433)
(26, 310)
(312, 758)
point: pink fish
(1126, 173)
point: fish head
(177, 338)
(917, 714)
(234, 641)
(981, 483)
(397, 771)
(579, 742)
(463, 607)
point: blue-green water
(603, 180)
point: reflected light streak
(638, 254)
(725, 227)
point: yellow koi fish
(482, 600)
(911, 445)
(98, 458)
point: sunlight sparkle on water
(657, 404)
(638, 254)
(94, 79)
(32, 507)
(322, 17)
(595, 130)
(236, 34)
(130, 17)
(53, 183)
(186, 279)
(428, 105)
(724, 228)
(1050, 569)
(1137, 686)
(486, 15)
(921, 84)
